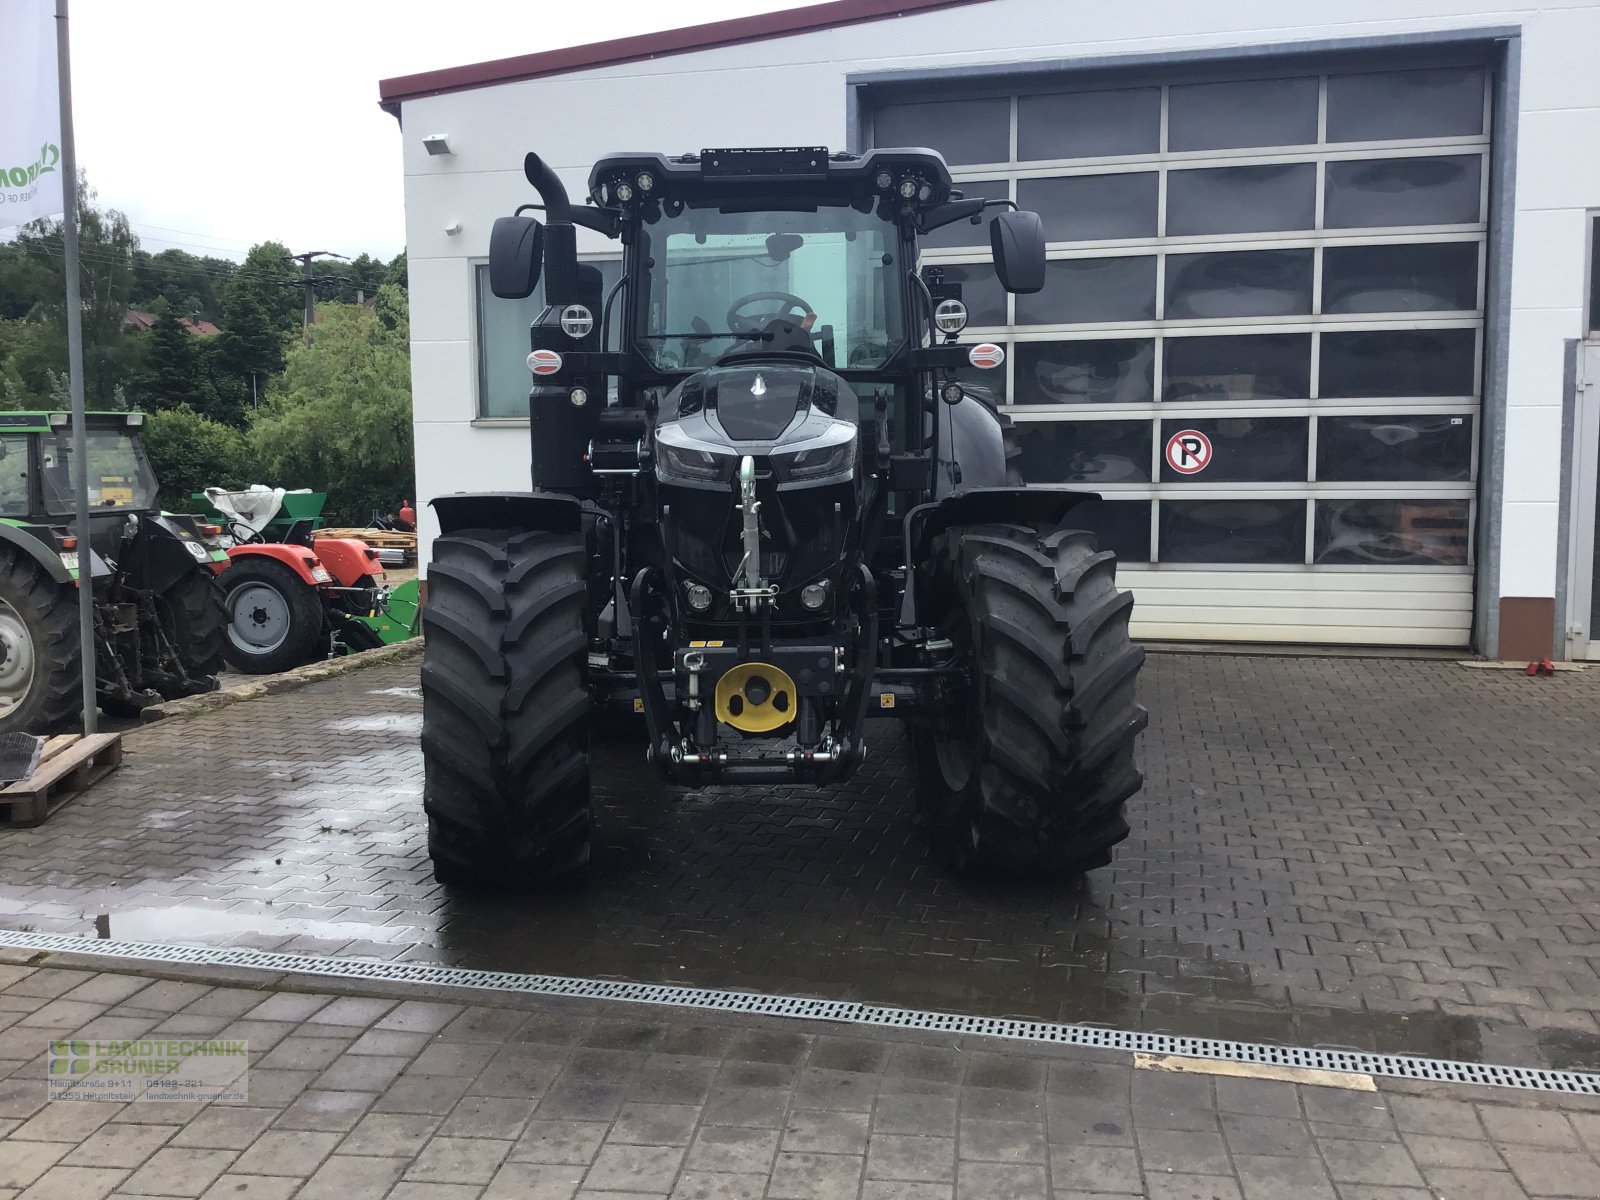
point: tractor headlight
(623, 191)
(908, 189)
(822, 460)
(814, 595)
(698, 595)
(576, 321)
(950, 316)
(646, 182)
(691, 462)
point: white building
(1352, 246)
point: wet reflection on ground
(1391, 856)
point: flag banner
(30, 114)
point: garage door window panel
(1249, 283)
(1379, 106)
(1239, 113)
(1424, 277)
(1098, 290)
(1087, 372)
(1256, 199)
(1241, 366)
(1373, 193)
(1379, 363)
(1089, 124)
(1098, 452)
(1244, 449)
(1094, 208)
(964, 131)
(1432, 448)
(1241, 532)
(1416, 533)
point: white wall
(791, 91)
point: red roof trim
(645, 46)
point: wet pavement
(1374, 853)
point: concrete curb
(288, 681)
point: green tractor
(158, 613)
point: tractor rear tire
(1036, 764)
(505, 708)
(40, 674)
(263, 598)
(200, 623)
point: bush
(191, 452)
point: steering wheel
(242, 534)
(792, 308)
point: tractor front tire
(40, 671)
(505, 708)
(199, 623)
(274, 618)
(1035, 762)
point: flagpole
(80, 432)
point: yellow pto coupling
(756, 698)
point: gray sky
(214, 126)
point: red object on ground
(407, 513)
(1543, 667)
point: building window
(502, 344)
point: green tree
(106, 246)
(171, 375)
(339, 419)
(261, 306)
(192, 284)
(191, 452)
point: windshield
(719, 281)
(119, 474)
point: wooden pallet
(69, 765)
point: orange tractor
(296, 597)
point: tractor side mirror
(516, 250)
(1017, 239)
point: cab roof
(803, 173)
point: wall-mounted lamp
(437, 144)
(453, 228)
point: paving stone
(1002, 1141)
(356, 1011)
(654, 1124)
(900, 1189)
(932, 1116)
(347, 1177)
(1456, 1183)
(285, 1153)
(173, 1171)
(518, 1181)
(458, 1160)
(911, 1157)
(647, 1169)
(826, 1132)
(224, 1127)
(1528, 1126)
(799, 1176)
(23, 1162)
(559, 1142)
(732, 1149)
(1262, 1177)
(1436, 1116)
(1369, 1162)
(1191, 1187)
(1000, 1181)
(1183, 1150)
(388, 1135)
(763, 1107)
(1095, 1168)
(253, 1187)
(74, 1183)
(420, 1016)
(64, 1121)
(119, 1145)
(316, 1109)
(1553, 1172)
(1466, 1153)
(1265, 1135)
(287, 1006)
(708, 1185)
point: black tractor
(770, 499)
(158, 617)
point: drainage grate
(1393, 1066)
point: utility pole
(309, 281)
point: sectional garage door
(1261, 336)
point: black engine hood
(760, 403)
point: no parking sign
(1188, 452)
